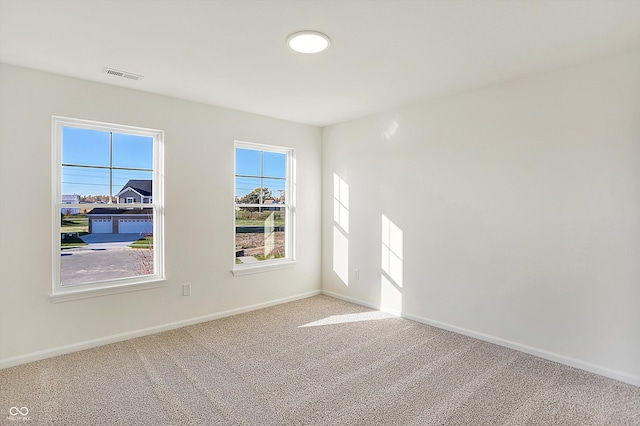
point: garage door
(101, 226)
(135, 226)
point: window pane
(259, 234)
(247, 162)
(274, 164)
(248, 190)
(276, 189)
(104, 244)
(88, 184)
(101, 240)
(132, 151)
(85, 147)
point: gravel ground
(110, 261)
(253, 243)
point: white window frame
(290, 211)
(93, 289)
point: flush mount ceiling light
(308, 42)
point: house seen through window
(263, 207)
(101, 168)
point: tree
(254, 196)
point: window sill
(85, 293)
(254, 269)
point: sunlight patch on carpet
(346, 318)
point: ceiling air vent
(123, 74)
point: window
(101, 246)
(264, 207)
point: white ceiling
(383, 54)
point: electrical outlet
(356, 274)
(186, 289)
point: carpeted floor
(317, 361)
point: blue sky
(260, 169)
(91, 148)
(83, 147)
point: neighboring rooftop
(141, 186)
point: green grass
(71, 228)
(270, 256)
(256, 222)
(143, 243)
(74, 223)
(67, 241)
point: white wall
(519, 208)
(199, 170)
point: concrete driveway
(83, 266)
(109, 240)
(105, 257)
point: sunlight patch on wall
(341, 255)
(341, 229)
(341, 203)
(391, 130)
(390, 296)
(392, 264)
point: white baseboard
(88, 344)
(541, 353)
(351, 300)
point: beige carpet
(318, 361)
